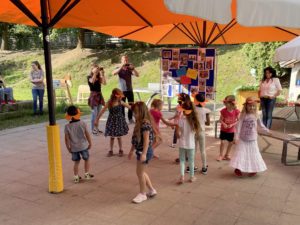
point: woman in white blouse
(269, 89)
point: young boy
(78, 142)
(203, 117)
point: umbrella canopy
(288, 51)
(199, 32)
(90, 13)
(283, 13)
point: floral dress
(116, 125)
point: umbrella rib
(137, 13)
(132, 32)
(58, 17)
(174, 27)
(212, 31)
(280, 28)
(222, 35)
(186, 34)
(195, 32)
(204, 43)
(195, 39)
(199, 32)
(225, 29)
(26, 11)
(61, 10)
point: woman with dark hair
(38, 86)
(269, 89)
(95, 79)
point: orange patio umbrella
(199, 32)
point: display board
(187, 69)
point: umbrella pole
(53, 131)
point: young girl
(155, 111)
(116, 125)
(247, 157)
(95, 80)
(187, 127)
(78, 142)
(204, 119)
(229, 118)
(142, 140)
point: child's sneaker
(76, 179)
(188, 169)
(238, 173)
(204, 170)
(88, 176)
(172, 145)
(95, 131)
(152, 193)
(139, 198)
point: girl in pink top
(229, 117)
(155, 111)
(247, 157)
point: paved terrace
(271, 198)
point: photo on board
(174, 65)
(175, 55)
(209, 63)
(165, 64)
(204, 74)
(202, 85)
(167, 54)
(183, 57)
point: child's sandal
(121, 153)
(180, 181)
(226, 157)
(110, 154)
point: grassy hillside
(15, 66)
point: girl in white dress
(247, 157)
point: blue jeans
(95, 111)
(8, 92)
(267, 106)
(35, 94)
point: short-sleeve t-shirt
(37, 74)
(157, 115)
(187, 135)
(96, 86)
(125, 79)
(229, 118)
(139, 145)
(201, 113)
(76, 131)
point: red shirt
(157, 115)
(229, 118)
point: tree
(80, 38)
(260, 55)
(4, 36)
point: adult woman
(38, 87)
(269, 89)
(96, 100)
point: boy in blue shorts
(78, 142)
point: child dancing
(155, 111)
(204, 119)
(229, 118)
(116, 125)
(78, 142)
(187, 127)
(247, 157)
(142, 140)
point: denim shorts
(149, 155)
(84, 155)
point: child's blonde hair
(230, 99)
(116, 92)
(156, 103)
(140, 109)
(252, 101)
